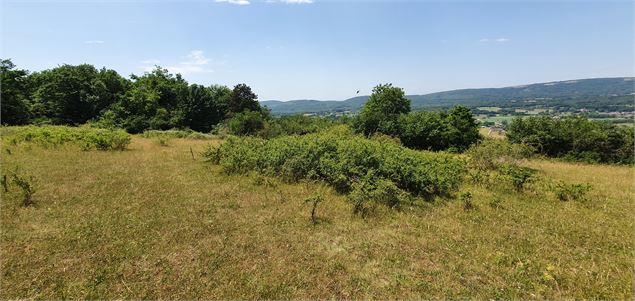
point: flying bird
(357, 92)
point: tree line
(76, 94)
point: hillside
(571, 93)
(154, 223)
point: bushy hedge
(185, 134)
(86, 137)
(262, 125)
(343, 161)
(575, 138)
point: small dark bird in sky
(357, 92)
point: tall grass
(86, 137)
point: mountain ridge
(588, 89)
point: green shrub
(86, 137)
(575, 139)
(466, 199)
(491, 154)
(571, 192)
(246, 123)
(25, 183)
(518, 175)
(345, 163)
(175, 133)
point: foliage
(466, 199)
(243, 99)
(382, 110)
(388, 112)
(455, 130)
(246, 123)
(518, 175)
(175, 133)
(491, 154)
(575, 138)
(204, 107)
(14, 92)
(25, 183)
(571, 192)
(295, 125)
(347, 163)
(74, 94)
(86, 137)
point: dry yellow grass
(153, 223)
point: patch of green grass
(151, 223)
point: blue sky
(323, 49)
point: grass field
(154, 222)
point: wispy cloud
(151, 62)
(194, 62)
(497, 40)
(290, 1)
(94, 42)
(237, 2)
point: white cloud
(237, 2)
(94, 42)
(195, 63)
(497, 40)
(151, 62)
(290, 1)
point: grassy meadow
(156, 221)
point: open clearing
(152, 222)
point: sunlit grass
(154, 222)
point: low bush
(86, 137)
(174, 133)
(575, 139)
(247, 123)
(491, 154)
(571, 192)
(379, 171)
(25, 183)
(519, 175)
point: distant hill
(569, 92)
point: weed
(571, 192)
(5, 184)
(466, 199)
(496, 203)
(315, 200)
(26, 184)
(163, 141)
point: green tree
(75, 94)
(243, 99)
(154, 101)
(204, 107)
(246, 123)
(13, 93)
(382, 110)
(424, 130)
(463, 128)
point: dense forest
(73, 95)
